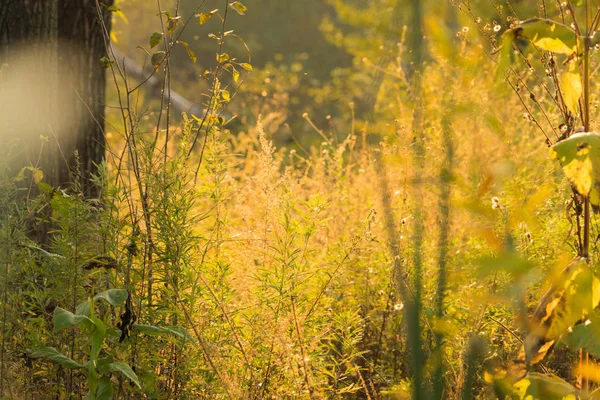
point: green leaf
(83, 309)
(103, 364)
(157, 58)
(115, 297)
(239, 7)
(105, 389)
(172, 24)
(155, 39)
(45, 188)
(544, 387)
(125, 370)
(105, 62)
(65, 319)
(52, 354)
(190, 52)
(549, 35)
(584, 336)
(97, 337)
(570, 84)
(579, 156)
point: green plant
(575, 293)
(100, 363)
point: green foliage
(579, 156)
(52, 354)
(97, 368)
(538, 386)
(155, 39)
(252, 269)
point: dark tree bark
(54, 87)
(81, 30)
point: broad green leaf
(570, 84)
(103, 364)
(105, 389)
(52, 354)
(125, 370)
(544, 387)
(97, 337)
(239, 7)
(190, 52)
(155, 39)
(157, 58)
(579, 156)
(549, 35)
(585, 335)
(65, 319)
(115, 297)
(83, 309)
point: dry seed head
(495, 202)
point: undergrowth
(288, 272)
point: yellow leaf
(570, 83)
(579, 156)
(204, 17)
(549, 35)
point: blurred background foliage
(281, 241)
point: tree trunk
(81, 35)
(28, 54)
(54, 87)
